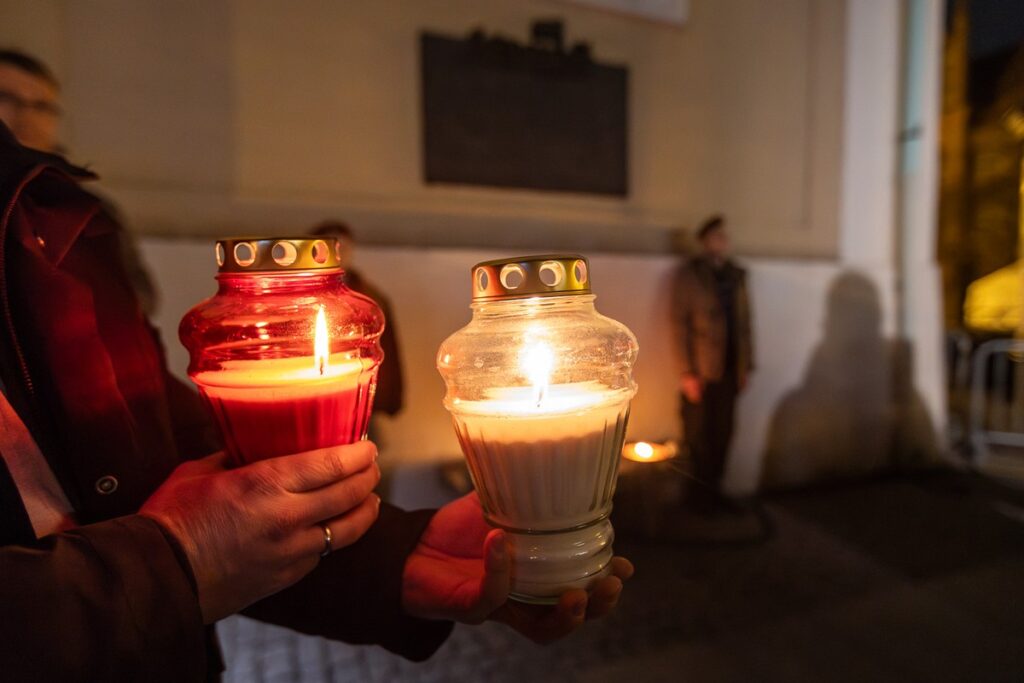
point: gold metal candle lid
(529, 276)
(269, 254)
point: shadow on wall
(857, 411)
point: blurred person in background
(31, 107)
(389, 396)
(711, 316)
(29, 100)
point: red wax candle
(280, 406)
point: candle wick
(321, 365)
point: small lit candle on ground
(650, 481)
(645, 451)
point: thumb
(494, 585)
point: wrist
(187, 553)
(178, 548)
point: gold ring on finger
(327, 540)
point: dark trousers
(707, 429)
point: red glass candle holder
(284, 354)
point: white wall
(921, 311)
(206, 116)
(888, 198)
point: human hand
(692, 387)
(461, 571)
(252, 531)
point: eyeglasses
(44, 107)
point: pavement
(899, 578)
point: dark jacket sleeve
(355, 594)
(111, 601)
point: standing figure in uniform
(711, 311)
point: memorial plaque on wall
(500, 114)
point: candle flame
(321, 348)
(643, 450)
(537, 362)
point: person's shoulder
(17, 161)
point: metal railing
(997, 398)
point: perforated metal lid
(269, 254)
(530, 276)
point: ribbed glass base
(546, 565)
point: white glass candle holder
(539, 386)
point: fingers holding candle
(604, 597)
(338, 498)
(622, 568)
(330, 487)
(457, 570)
(463, 570)
(497, 576)
(547, 623)
(315, 469)
(345, 529)
(252, 531)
